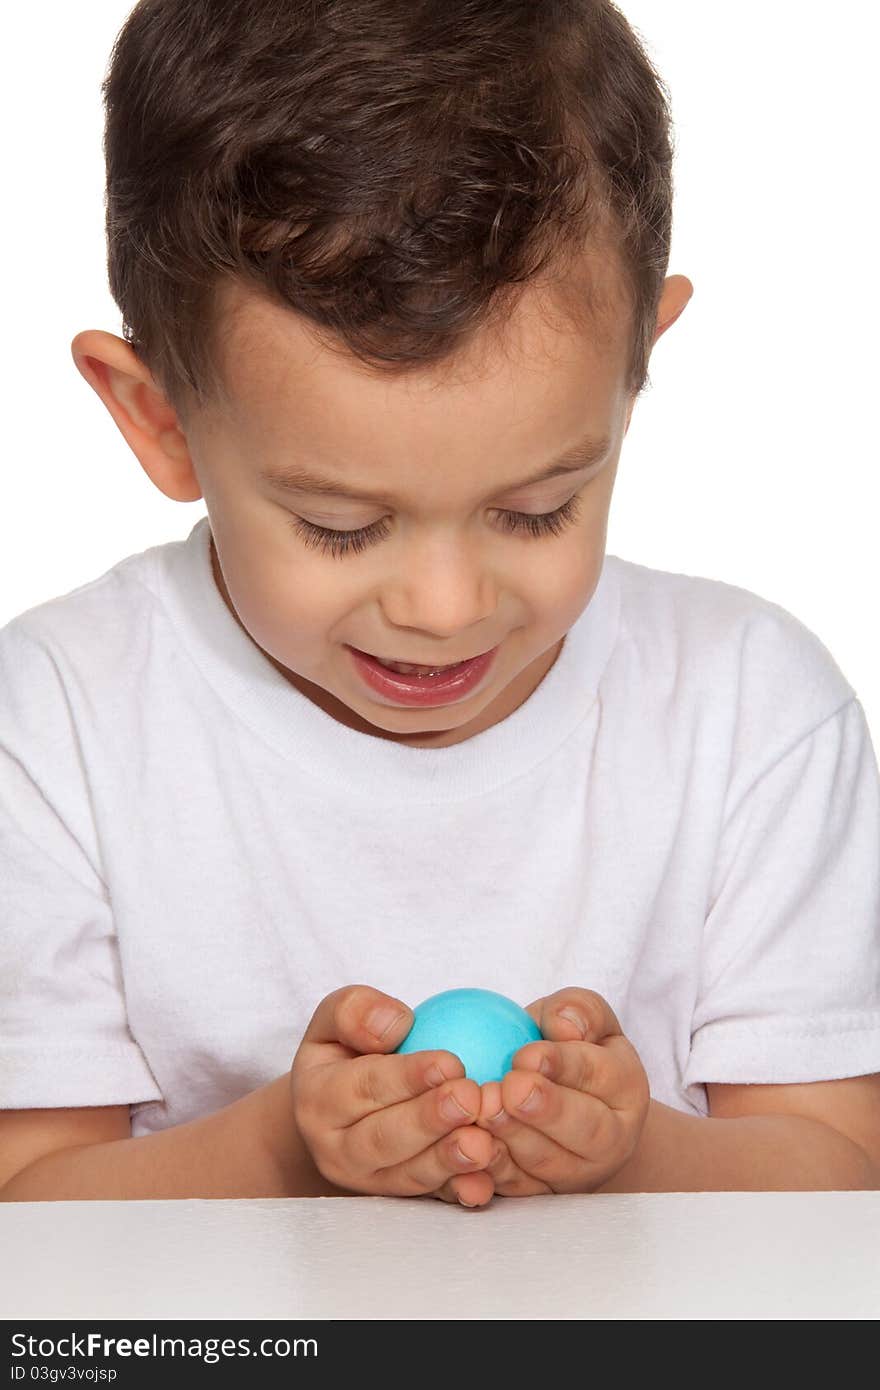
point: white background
(753, 459)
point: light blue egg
(481, 1027)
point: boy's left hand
(590, 1094)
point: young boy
(390, 277)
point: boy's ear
(146, 421)
(677, 291)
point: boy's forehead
(269, 353)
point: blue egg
(481, 1027)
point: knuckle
(350, 1002)
(606, 1135)
(593, 1125)
(336, 1000)
(409, 1184)
(588, 1074)
(378, 1140)
(366, 1084)
(353, 1166)
(542, 1163)
(595, 1008)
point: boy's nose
(445, 597)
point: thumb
(359, 1018)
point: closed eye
(351, 542)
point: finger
(510, 1179)
(361, 1085)
(490, 1102)
(468, 1190)
(467, 1150)
(574, 1013)
(388, 1137)
(501, 1175)
(356, 1019)
(529, 1156)
(536, 1110)
(612, 1071)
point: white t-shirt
(684, 816)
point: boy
(390, 282)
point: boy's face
(442, 578)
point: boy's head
(419, 251)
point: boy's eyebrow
(295, 478)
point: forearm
(248, 1149)
(688, 1153)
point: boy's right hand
(400, 1125)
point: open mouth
(409, 683)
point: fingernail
(465, 1158)
(545, 1066)
(531, 1102)
(574, 1017)
(381, 1019)
(450, 1107)
(499, 1118)
(467, 1204)
(434, 1075)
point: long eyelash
(351, 542)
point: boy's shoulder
(726, 644)
(696, 603)
(91, 631)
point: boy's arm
(250, 1148)
(824, 1135)
(577, 1116)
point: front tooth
(413, 670)
(408, 670)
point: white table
(748, 1255)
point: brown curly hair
(395, 171)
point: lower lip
(443, 689)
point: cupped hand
(386, 1125)
(571, 1111)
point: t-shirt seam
(727, 819)
(781, 757)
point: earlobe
(662, 327)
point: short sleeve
(64, 1036)
(790, 968)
